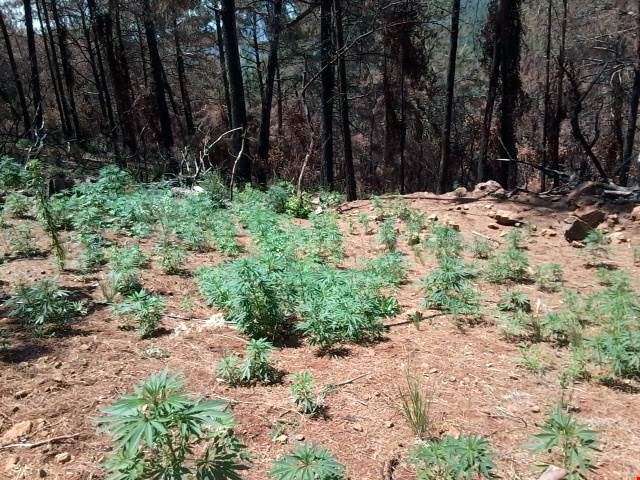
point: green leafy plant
(214, 187)
(303, 392)
(596, 244)
(511, 264)
(567, 443)
(299, 205)
(172, 258)
(565, 326)
(390, 268)
(532, 360)
(445, 242)
(481, 249)
(514, 301)
(307, 462)
(454, 458)
(256, 367)
(22, 241)
(365, 221)
(449, 289)
(145, 308)
(17, 205)
(159, 431)
(415, 404)
(12, 174)
(44, 307)
(387, 235)
(413, 227)
(548, 277)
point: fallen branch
(41, 442)
(478, 234)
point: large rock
(576, 229)
(586, 189)
(508, 219)
(635, 213)
(554, 473)
(488, 187)
(591, 215)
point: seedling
(307, 462)
(303, 392)
(145, 309)
(548, 277)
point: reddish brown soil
(473, 375)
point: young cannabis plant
(548, 277)
(511, 264)
(256, 367)
(365, 221)
(144, 308)
(449, 288)
(596, 244)
(161, 432)
(567, 443)
(307, 462)
(387, 235)
(445, 242)
(532, 360)
(17, 205)
(514, 301)
(23, 242)
(172, 258)
(481, 249)
(464, 457)
(44, 307)
(303, 392)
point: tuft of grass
(548, 277)
(415, 404)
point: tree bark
(326, 95)
(182, 79)
(634, 100)
(236, 87)
(33, 62)
(547, 100)
(223, 67)
(559, 113)
(256, 53)
(445, 150)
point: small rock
(433, 217)
(493, 226)
(488, 187)
(489, 365)
(299, 437)
(15, 433)
(535, 409)
(508, 219)
(21, 394)
(63, 457)
(554, 473)
(635, 213)
(513, 376)
(357, 427)
(576, 244)
(433, 370)
(619, 228)
(618, 237)
(85, 347)
(42, 473)
(453, 225)
(282, 439)
(453, 379)
(57, 364)
(388, 424)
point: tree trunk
(634, 100)
(236, 88)
(444, 181)
(349, 173)
(267, 97)
(488, 112)
(26, 119)
(279, 95)
(94, 66)
(558, 114)
(223, 67)
(67, 71)
(547, 100)
(256, 53)
(326, 95)
(143, 58)
(33, 62)
(182, 79)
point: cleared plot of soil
(472, 373)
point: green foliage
(461, 458)
(596, 244)
(160, 432)
(511, 264)
(481, 249)
(303, 392)
(299, 205)
(445, 242)
(449, 288)
(214, 187)
(324, 241)
(44, 307)
(567, 443)
(390, 268)
(279, 194)
(124, 263)
(93, 256)
(514, 301)
(22, 241)
(307, 462)
(413, 227)
(17, 205)
(365, 221)
(566, 325)
(12, 175)
(387, 234)
(144, 308)
(415, 404)
(548, 277)
(172, 258)
(531, 358)
(256, 366)
(522, 326)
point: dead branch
(41, 442)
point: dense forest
(357, 96)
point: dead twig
(478, 234)
(41, 442)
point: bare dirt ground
(473, 374)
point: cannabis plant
(514, 301)
(481, 249)
(365, 221)
(144, 308)
(413, 227)
(449, 288)
(454, 458)
(12, 175)
(256, 367)
(23, 242)
(161, 432)
(567, 444)
(299, 205)
(303, 392)
(307, 462)
(445, 242)
(511, 264)
(172, 258)
(44, 307)
(17, 205)
(532, 360)
(390, 268)
(387, 235)
(548, 277)
(596, 244)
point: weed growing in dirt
(531, 359)
(172, 258)
(17, 205)
(449, 288)
(303, 393)
(415, 404)
(548, 277)
(161, 432)
(93, 256)
(464, 457)
(414, 225)
(256, 367)
(214, 187)
(444, 242)
(44, 307)
(307, 461)
(323, 242)
(510, 264)
(566, 325)
(12, 175)
(365, 221)
(597, 244)
(568, 443)
(387, 235)
(22, 241)
(514, 301)
(481, 249)
(390, 268)
(144, 308)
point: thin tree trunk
(26, 119)
(33, 62)
(182, 79)
(403, 122)
(326, 95)
(349, 173)
(223, 67)
(143, 59)
(547, 101)
(93, 65)
(488, 112)
(634, 100)
(67, 71)
(256, 53)
(267, 97)
(559, 113)
(445, 148)
(236, 87)
(279, 95)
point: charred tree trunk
(326, 95)
(256, 53)
(634, 100)
(182, 80)
(547, 100)
(444, 181)
(349, 173)
(267, 97)
(559, 111)
(236, 88)
(223, 67)
(26, 118)
(33, 62)
(143, 57)
(94, 66)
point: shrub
(565, 326)
(387, 235)
(481, 249)
(444, 242)
(215, 189)
(324, 240)
(127, 257)
(514, 301)
(568, 443)
(299, 205)
(451, 458)
(172, 258)
(93, 255)
(161, 432)
(414, 226)
(596, 244)
(390, 268)
(302, 390)
(522, 326)
(278, 196)
(548, 277)
(44, 307)
(365, 221)
(256, 366)
(12, 175)
(532, 360)
(22, 241)
(511, 264)
(307, 461)
(17, 205)
(449, 289)
(145, 308)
